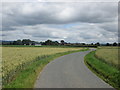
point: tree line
(50, 42)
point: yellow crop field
(15, 56)
(109, 54)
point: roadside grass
(108, 73)
(28, 75)
(109, 55)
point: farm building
(38, 44)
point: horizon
(59, 41)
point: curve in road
(69, 71)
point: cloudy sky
(87, 22)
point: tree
(26, 41)
(62, 42)
(114, 44)
(107, 44)
(14, 42)
(118, 44)
(56, 43)
(48, 42)
(19, 42)
(92, 44)
(83, 44)
(98, 44)
(42, 43)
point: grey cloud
(86, 22)
(78, 33)
(56, 13)
(60, 1)
(44, 31)
(111, 26)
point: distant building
(38, 44)
(30, 44)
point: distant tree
(118, 44)
(19, 42)
(56, 43)
(92, 44)
(107, 44)
(33, 42)
(42, 43)
(115, 44)
(14, 42)
(26, 41)
(62, 42)
(11, 43)
(6, 42)
(48, 42)
(83, 44)
(75, 43)
(98, 44)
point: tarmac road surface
(69, 71)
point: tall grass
(109, 55)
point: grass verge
(109, 74)
(27, 77)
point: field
(15, 59)
(14, 56)
(109, 55)
(104, 62)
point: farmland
(13, 56)
(104, 62)
(14, 59)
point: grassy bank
(105, 71)
(28, 75)
(109, 55)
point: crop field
(16, 56)
(109, 55)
